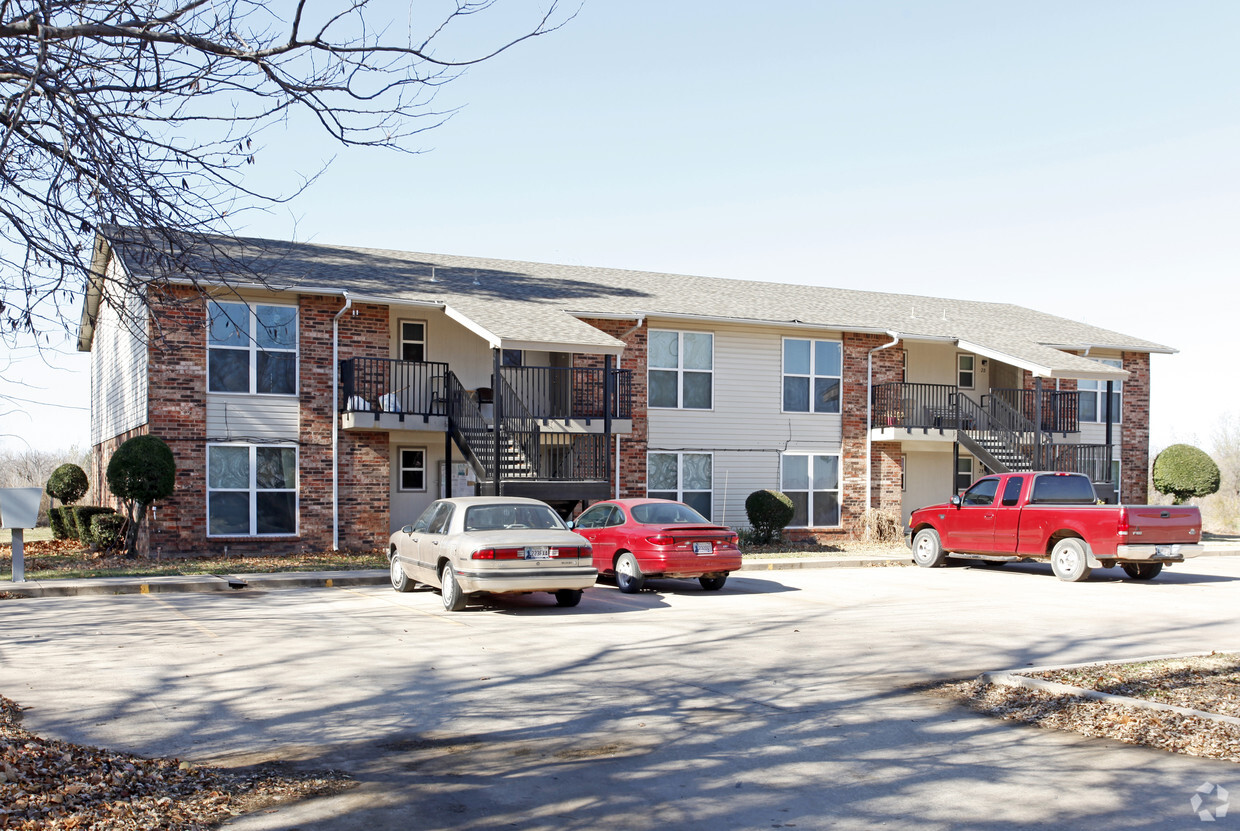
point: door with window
(974, 526)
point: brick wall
(632, 446)
(1135, 429)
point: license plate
(703, 548)
(541, 552)
(1166, 550)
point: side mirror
(956, 501)
(571, 524)
(408, 529)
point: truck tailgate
(1157, 524)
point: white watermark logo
(1217, 810)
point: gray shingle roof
(524, 303)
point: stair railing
(519, 426)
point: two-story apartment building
(322, 395)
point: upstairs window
(412, 340)
(966, 371)
(1093, 397)
(812, 375)
(252, 349)
(681, 370)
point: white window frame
(680, 369)
(401, 468)
(960, 462)
(680, 476)
(960, 370)
(251, 346)
(809, 456)
(1099, 391)
(402, 340)
(253, 490)
(813, 374)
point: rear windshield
(667, 513)
(1063, 490)
(499, 517)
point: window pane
(228, 467)
(412, 331)
(796, 473)
(277, 327)
(1089, 406)
(826, 395)
(796, 395)
(228, 514)
(662, 495)
(277, 373)
(412, 352)
(230, 370)
(698, 350)
(512, 357)
(1083, 384)
(826, 509)
(664, 350)
(826, 473)
(697, 390)
(276, 467)
(800, 512)
(826, 358)
(411, 480)
(661, 472)
(230, 324)
(699, 502)
(796, 357)
(277, 512)
(661, 386)
(696, 471)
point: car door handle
(988, 516)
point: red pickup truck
(1057, 516)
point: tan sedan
(495, 544)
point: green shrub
(141, 471)
(1183, 471)
(83, 515)
(769, 511)
(107, 531)
(56, 519)
(68, 483)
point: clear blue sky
(1078, 158)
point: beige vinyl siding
(118, 368)
(747, 401)
(467, 355)
(244, 417)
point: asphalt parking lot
(789, 699)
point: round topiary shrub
(1183, 471)
(769, 511)
(107, 531)
(141, 471)
(68, 483)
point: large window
(252, 349)
(251, 490)
(812, 482)
(681, 369)
(1093, 397)
(684, 477)
(812, 376)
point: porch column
(1038, 460)
(447, 463)
(607, 399)
(497, 407)
(1106, 457)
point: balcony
(937, 407)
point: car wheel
(453, 597)
(568, 597)
(713, 584)
(1068, 560)
(629, 576)
(400, 580)
(927, 549)
(1143, 571)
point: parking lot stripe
(182, 615)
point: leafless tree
(146, 114)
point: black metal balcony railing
(381, 385)
(1060, 409)
(550, 392)
(915, 405)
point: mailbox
(19, 507)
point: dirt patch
(1210, 683)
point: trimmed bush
(68, 483)
(82, 518)
(141, 471)
(56, 519)
(769, 511)
(1183, 471)
(107, 531)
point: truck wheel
(1068, 560)
(927, 549)
(1143, 571)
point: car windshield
(499, 517)
(667, 513)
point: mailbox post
(19, 510)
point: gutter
(348, 302)
(869, 414)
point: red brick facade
(1134, 463)
(632, 446)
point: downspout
(348, 302)
(869, 415)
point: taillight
(573, 552)
(496, 554)
(733, 539)
(1122, 523)
(661, 539)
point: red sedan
(638, 538)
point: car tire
(568, 597)
(400, 580)
(1069, 561)
(629, 577)
(453, 597)
(1143, 571)
(713, 584)
(928, 549)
